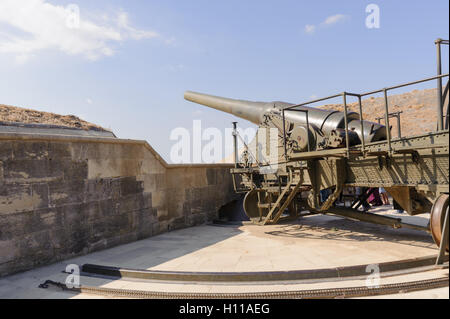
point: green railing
(440, 104)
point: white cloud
(123, 22)
(36, 25)
(334, 19)
(89, 101)
(309, 28)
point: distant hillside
(418, 107)
(17, 114)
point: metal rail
(396, 115)
(348, 292)
(438, 78)
(359, 96)
(398, 266)
(440, 105)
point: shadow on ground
(336, 228)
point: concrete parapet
(64, 196)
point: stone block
(8, 251)
(108, 207)
(75, 170)
(75, 215)
(60, 150)
(26, 150)
(129, 185)
(40, 193)
(66, 192)
(6, 150)
(130, 203)
(98, 189)
(15, 197)
(211, 176)
(178, 223)
(92, 211)
(26, 168)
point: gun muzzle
(247, 110)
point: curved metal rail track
(349, 292)
(307, 274)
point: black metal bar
(313, 101)
(405, 84)
(362, 198)
(235, 144)
(371, 92)
(284, 135)
(446, 116)
(347, 142)
(386, 118)
(396, 115)
(353, 94)
(361, 123)
(439, 86)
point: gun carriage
(330, 150)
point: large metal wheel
(438, 211)
(251, 205)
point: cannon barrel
(324, 120)
(250, 111)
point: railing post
(399, 125)
(362, 125)
(236, 160)
(284, 135)
(347, 142)
(386, 119)
(439, 86)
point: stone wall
(63, 196)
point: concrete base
(310, 243)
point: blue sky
(129, 69)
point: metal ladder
(278, 206)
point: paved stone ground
(311, 242)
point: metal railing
(397, 116)
(385, 91)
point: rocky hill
(22, 115)
(419, 111)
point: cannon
(324, 127)
(329, 150)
